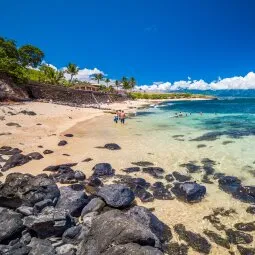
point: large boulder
(116, 195)
(25, 189)
(150, 221)
(72, 200)
(10, 224)
(189, 191)
(16, 160)
(103, 170)
(113, 230)
(49, 223)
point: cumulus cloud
(85, 74)
(236, 82)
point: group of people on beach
(120, 116)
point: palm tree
(117, 84)
(98, 77)
(51, 75)
(132, 82)
(72, 69)
(107, 80)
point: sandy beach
(92, 128)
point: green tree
(51, 75)
(107, 80)
(98, 77)
(117, 84)
(73, 70)
(132, 82)
(30, 55)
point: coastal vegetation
(159, 96)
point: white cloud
(236, 82)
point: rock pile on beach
(37, 217)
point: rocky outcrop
(24, 189)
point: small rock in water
(245, 251)
(131, 169)
(62, 143)
(201, 146)
(142, 163)
(116, 195)
(189, 191)
(227, 142)
(156, 172)
(161, 192)
(48, 152)
(238, 237)
(249, 226)
(216, 238)
(229, 184)
(191, 167)
(177, 249)
(251, 210)
(169, 177)
(196, 241)
(180, 177)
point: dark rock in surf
(56, 168)
(131, 169)
(24, 189)
(238, 237)
(196, 241)
(245, 250)
(189, 191)
(247, 227)
(180, 177)
(251, 210)
(142, 163)
(161, 192)
(116, 195)
(156, 172)
(30, 113)
(229, 184)
(177, 249)
(169, 177)
(216, 238)
(191, 167)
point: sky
(164, 44)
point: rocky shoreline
(66, 212)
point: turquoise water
(222, 130)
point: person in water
(122, 117)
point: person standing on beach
(122, 117)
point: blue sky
(154, 41)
